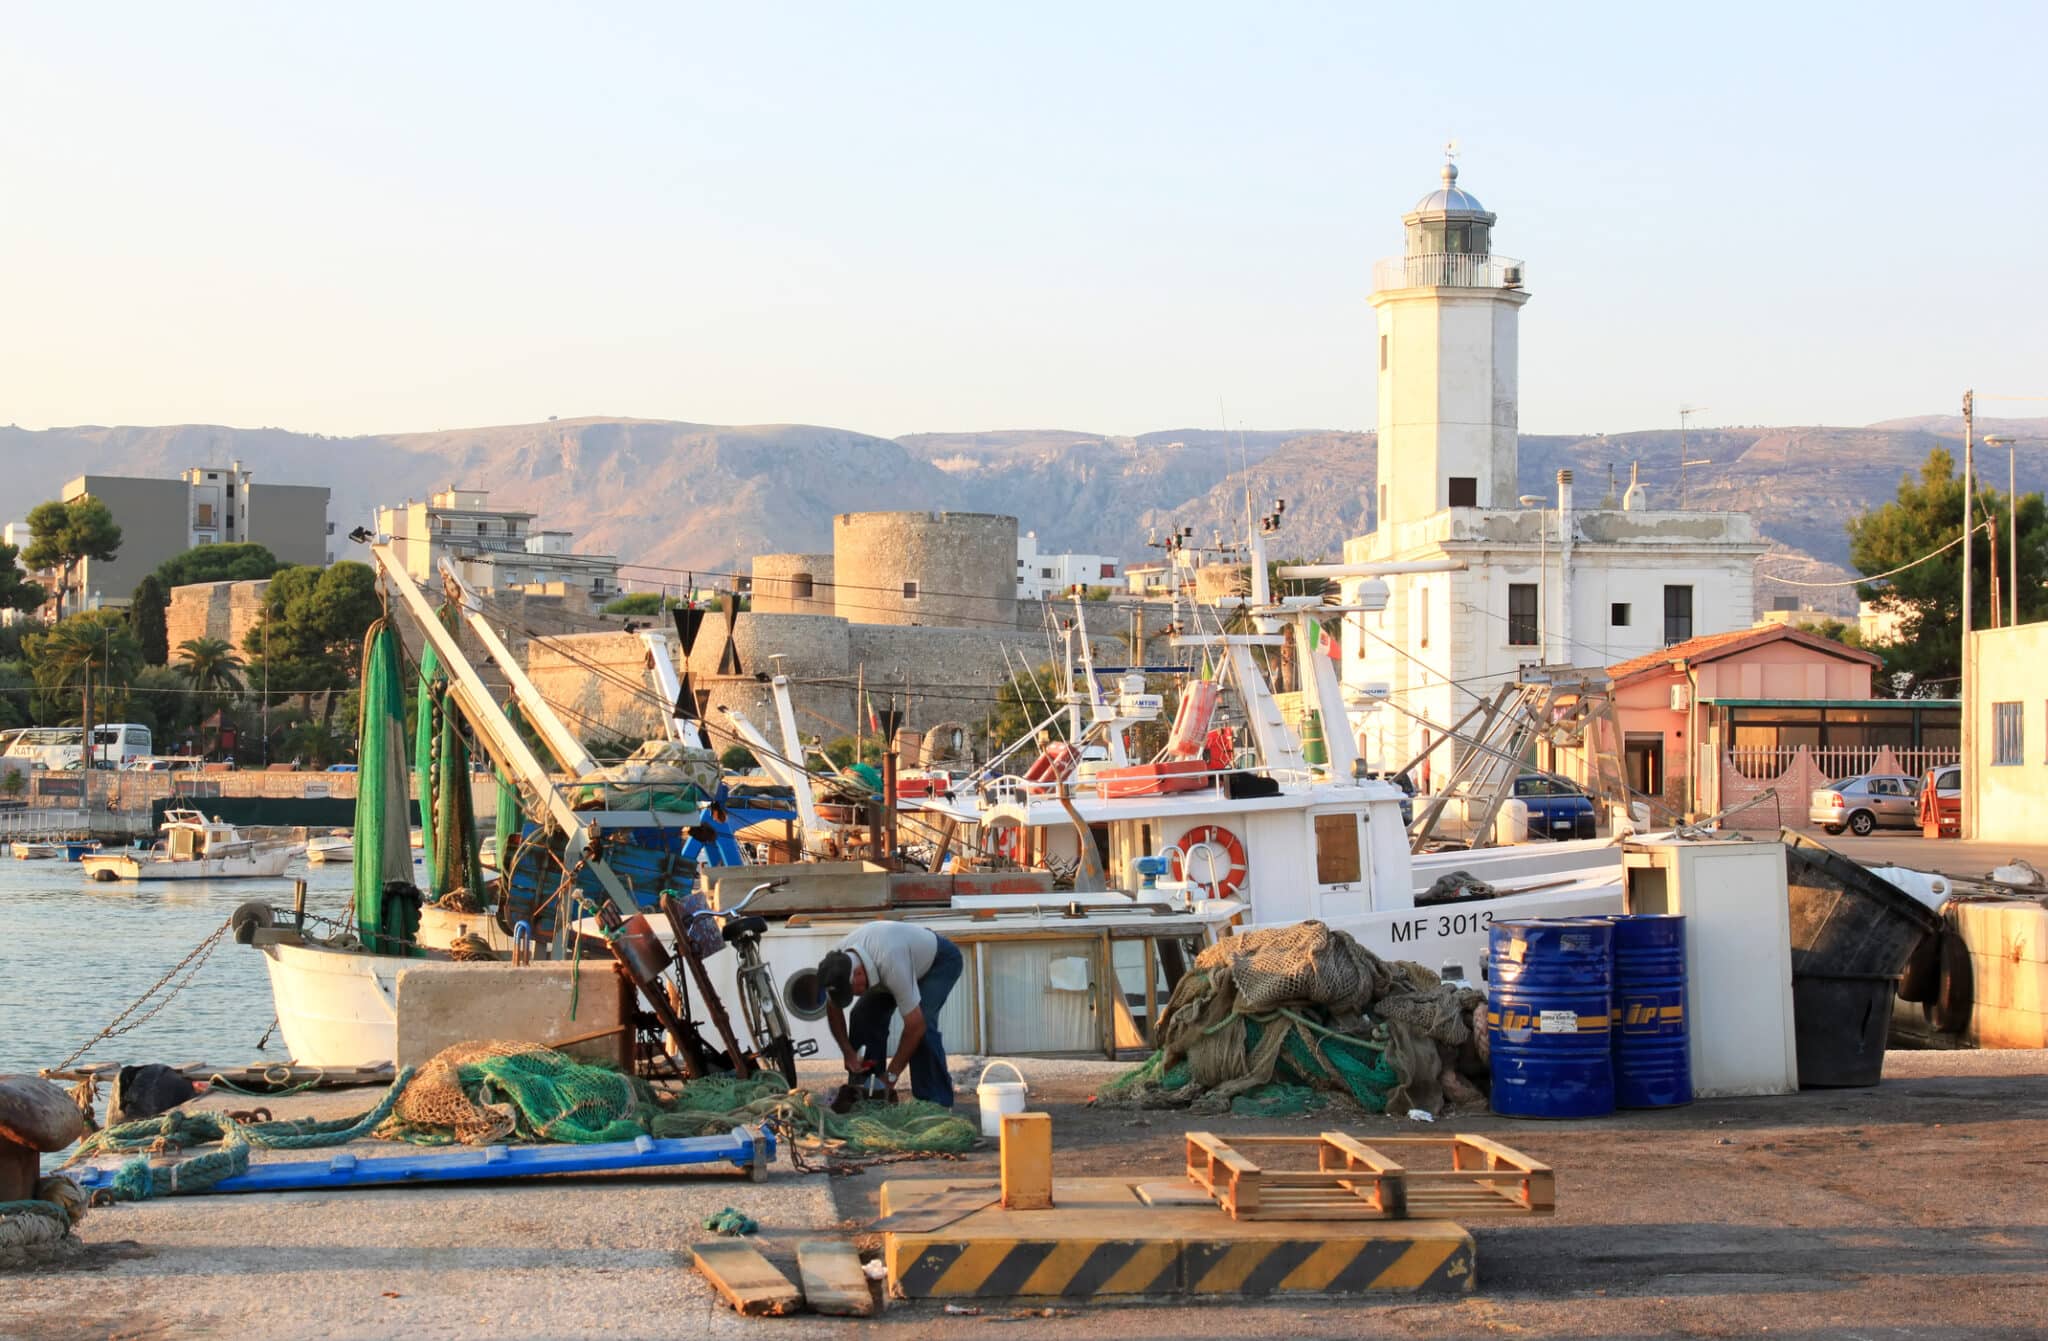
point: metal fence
(1454, 270)
(1833, 764)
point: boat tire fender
(247, 918)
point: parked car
(1941, 798)
(1867, 803)
(1557, 808)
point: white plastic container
(999, 1097)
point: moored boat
(192, 847)
(334, 850)
(37, 851)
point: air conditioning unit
(1681, 697)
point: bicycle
(767, 1027)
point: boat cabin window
(1337, 860)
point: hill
(702, 497)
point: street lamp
(2012, 515)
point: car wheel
(1957, 995)
(1831, 828)
(1861, 823)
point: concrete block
(1027, 1161)
(440, 1005)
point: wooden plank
(829, 1270)
(749, 1281)
(1173, 1194)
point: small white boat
(487, 853)
(193, 847)
(31, 851)
(336, 850)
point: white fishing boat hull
(335, 1007)
(37, 851)
(260, 864)
(331, 852)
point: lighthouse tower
(1447, 311)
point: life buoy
(1008, 841)
(1221, 885)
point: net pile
(490, 1093)
(1277, 1022)
(913, 1126)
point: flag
(874, 722)
(1327, 644)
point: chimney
(1564, 491)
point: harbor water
(78, 952)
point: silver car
(1873, 801)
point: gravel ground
(1909, 1210)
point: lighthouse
(1447, 310)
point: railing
(1453, 270)
(1838, 762)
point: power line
(1877, 577)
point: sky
(1104, 217)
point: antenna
(1685, 414)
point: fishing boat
(77, 849)
(333, 850)
(33, 850)
(192, 847)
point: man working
(899, 966)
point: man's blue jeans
(867, 1027)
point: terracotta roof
(1713, 646)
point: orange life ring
(1226, 885)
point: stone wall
(792, 584)
(223, 610)
(927, 568)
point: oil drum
(1652, 1040)
(1549, 993)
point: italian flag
(1326, 642)
(874, 722)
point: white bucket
(999, 1097)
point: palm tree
(98, 645)
(210, 664)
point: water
(74, 952)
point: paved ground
(1909, 1210)
(1949, 856)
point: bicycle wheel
(772, 1043)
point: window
(1677, 614)
(1464, 491)
(1043, 572)
(2008, 733)
(1383, 353)
(1521, 614)
(800, 586)
(1109, 570)
(1617, 614)
(483, 528)
(1337, 849)
(910, 591)
(205, 515)
(231, 491)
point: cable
(1878, 577)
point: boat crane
(508, 749)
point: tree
(234, 562)
(146, 611)
(67, 534)
(1022, 703)
(162, 700)
(309, 635)
(16, 591)
(210, 665)
(737, 759)
(1928, 515)
(97, 643)
(16, 695)
(640, 603)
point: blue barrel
(1547, 1017)
(1652, 1043)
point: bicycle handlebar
(737, 908)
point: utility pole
(1969, 732)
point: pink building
(1677, 708)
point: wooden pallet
(1355, 1181)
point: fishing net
(1265, 1021)
(489, 1093)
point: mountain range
(703, 498)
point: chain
(128, 1019)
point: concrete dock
(1907, 1210)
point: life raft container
(1191, 720)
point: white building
(498, 549)
(1544, 581)
(1042, 575)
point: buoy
(1221, 885)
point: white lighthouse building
(1546, 580)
